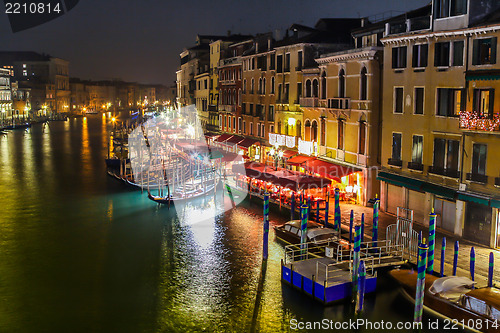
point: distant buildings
(403, 107)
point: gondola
(180, 196)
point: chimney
(256, 47)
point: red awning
(234, 140)
(223, 137)
(246, 143)
(210, 134)
(289, 153)
(328, 170)
(300, 159)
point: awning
(223, 137)
(495, 203)
(246, 143)
(234, 140)
(289, 153)
(328, 170)
(442, 191)
(210, 134)
(282, 177)
(224, 156)
(300, 159)
(485, 75)
(398, 180)
(473, 197)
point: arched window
(239, 97)
(315, 88)
(234, 96)
(252, 86)
(260, 85)
(323, 132)
(362, 137)
(308, 88)
(272, 85)
(245, 86)
(263, 86)
(323, 85)
(314, 131)
(298, 130)
(363, 85)
(342, 83)
(308, 130)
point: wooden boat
(180, 195)
(480, 305)
(290, 232)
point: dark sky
(140, 40)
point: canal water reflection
(81, 252)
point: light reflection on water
(81, 252)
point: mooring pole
(292, 206)
(443, 249)
(351, 225)
(362, 227)
(490, 270)
(375, 222)
(356, 259)
(419, 296)
(266, 227)
(337, 222)
(455, 258)
(303, 228)
(432, 241)
(327, 208)
(472, 263)
(361, 287)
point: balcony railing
(395, 162)
(444, 172)
(415, 166)
(474, 177)
(473, 121)
(309, 101)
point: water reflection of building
(5, 94)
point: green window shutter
(493, 50)
(475, 52)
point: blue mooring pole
(327, 208)
(362, 227)
(432, 242)
(472, 263)
(455, 259)
(303, 228)
(361, 287)
(266, 227)
(419, 296)
(351, 225)
(292, 205)
(443, 249)
(317, 211)
(490, 270)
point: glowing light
(272, 151)
(280, 154)
(113, 119)
(291, 121)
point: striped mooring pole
(455, 258)
(356, 259)
(419, 296)
(472, 263)
(375, 222)
(317, 210)
(432, 241)
(292, 206)
(490, 270)
(362, 227)
(309, 207)
(303, 227)
(361, 287)
(443, 249)
(327, 208)
(266, 227)
(351, 225)
(336, 225)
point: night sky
(140, 40)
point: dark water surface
(81, 252)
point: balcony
(419, 23)
(473, 177)
(227, 108)
(395, 162)
(309, 101)
(473, 121)
(339, 103)
(444, 172)
(415, 166)
(408, 25)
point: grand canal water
(81, 252)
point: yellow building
(435, 155)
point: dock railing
(310, 250)
(331, 271)
(385, 254)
